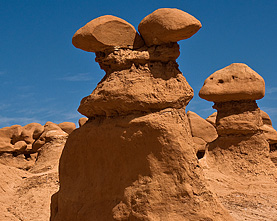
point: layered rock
(239, 158)
(134, 158)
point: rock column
(134, 157)
(237, 164)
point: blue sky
(43, 77)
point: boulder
(234, 82)
(201, 128)
(168, 25)
(6, 137)
(106, 33)
(67, 127)
(212, 119)
(31, 132)
(82, 121)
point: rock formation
(202, 132)
(134, 159)
(237, 164)
(29, 158)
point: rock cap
(168, 25)
(106, 32)
(234, 82)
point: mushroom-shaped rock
(234, 82)
(107, 32)
(168, 25)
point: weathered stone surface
(20, 146)
(200, 144)
(266, 119)
(67, 127)
(82, 121)
(234, 82)
(140, 156)
(270, 133)
(168, 25)
(6, 137)
(143, 87)
(30, 132)
(238, 117)
(106, 33)
(201, 128)
(212, 119)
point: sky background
(43, 77)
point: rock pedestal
(237, 164)
(134, 157)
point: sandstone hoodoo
(239, 157)
(134, 158)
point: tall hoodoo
(239, 157)
(134, 157)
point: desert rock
(106, 33)
(234, 82)
(239, 158)
(28, 177)
(212, 119)
(201, 128)
(67, 127)
(167, 25)
(135, 159)
(82, 121)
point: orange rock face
(168, 25)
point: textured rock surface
(234, 82)
(212, 119)
(106, 33)
(138, 84)
(168, 25)
(28, 178)
(201, 128)
(134, 171)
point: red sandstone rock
(168, 25)
(82, 121)
(212, 118)
(201, 128)
(106, 33)
(67, 127)
(237, 164)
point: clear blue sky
(43, 77)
